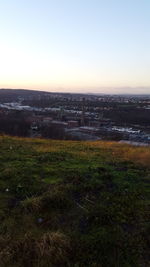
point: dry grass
(52, 249)
(54, 245)
(139, 155)
(32, 204)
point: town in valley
(70, 116)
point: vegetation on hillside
(76, 204)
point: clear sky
(75, 45)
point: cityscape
(67, 116)
(74, 133)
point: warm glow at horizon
(75, 45)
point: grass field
(65, 203)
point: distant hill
(14, 94)
(66, 203)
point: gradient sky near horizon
(75, 45)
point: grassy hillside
(66, 203)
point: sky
(97, 46)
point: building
(72, 124)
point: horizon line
(78, 92)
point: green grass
(66, 203)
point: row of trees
(14, 124)
(129, 116)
